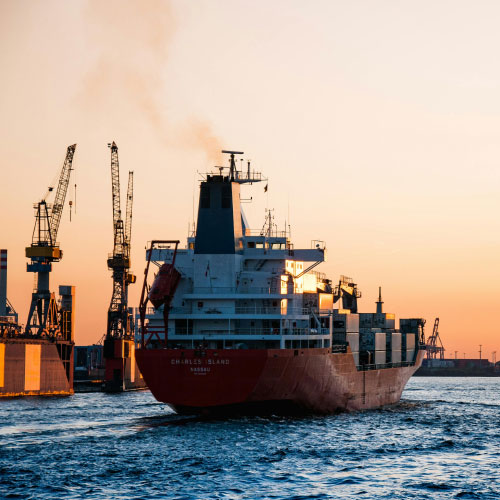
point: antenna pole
(231, 170)
(379, 301)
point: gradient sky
(377, 124)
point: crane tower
(435, 348)
(119, 320)
(121, 373)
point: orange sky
(377, 123)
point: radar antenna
(240, 176)
(232, 168)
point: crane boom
(435, 329)
(62, 189)
(128, 214)
(115, 183)
(115, 191)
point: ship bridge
(265, 296)
(242, 287)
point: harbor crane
(119, 324)
(43, 316)
(434, 347)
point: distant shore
(455, 372)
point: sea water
(441, 441)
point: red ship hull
(316, 380)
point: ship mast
(379, 301)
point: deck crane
(43, 316)
(119, 325)
(435, 350)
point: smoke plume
(133, 39)
(199, 134)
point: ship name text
(199, 362)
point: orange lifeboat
(164, 286)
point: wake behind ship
(243, 321)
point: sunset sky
(377, 124)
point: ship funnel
(219, 229)
(220, 226)
(3, 282)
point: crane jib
(62, 189)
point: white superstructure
(246, 289)
(258, 298)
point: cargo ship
(36, 364)
(240, 320)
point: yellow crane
(44, 249)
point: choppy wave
(440, 442)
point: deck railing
(385, 365)
(254, 310)
(250, 331)
(231, 289)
